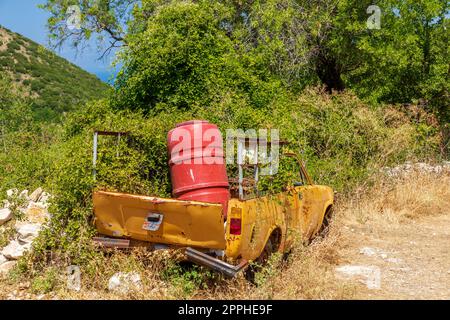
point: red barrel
(197, 164)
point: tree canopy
(186, 53)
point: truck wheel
(325, 227)
(260, 262)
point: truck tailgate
(184, 223)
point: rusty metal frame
(303, 173)
(246, 143)
(98, 133)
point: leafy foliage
(56, 85)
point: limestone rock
(12, 192)
(44, 198)
(24, 195)
(6, 267)
(28, 231)
(125, 282)
(36, 212)
(14, 250)
(35, 196)
(5, 215)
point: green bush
(7, 63)
(13, 46)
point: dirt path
(413, 257)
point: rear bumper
(203, 259)
(191, 254)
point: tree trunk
(329, 73)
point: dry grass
(396, 200)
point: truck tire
(325, 227)
(260, 262)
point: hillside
(55, 84)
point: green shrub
(36, 85)
(187, 279)
(46, 282)
(13, 46)
(7, 63)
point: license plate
(153, 221)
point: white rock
(12, 192)
(438, 169)
(367, 251)
(14, 250)
(24, 195)
(36, 194)
(384, 256)
(44, 198)
(5, 215)
(6, 267)
(370, 275)
(2, 259)
(125, 282)
(36, 212)
(28, 232)
(37, 205)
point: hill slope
(55, 84)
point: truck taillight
(235, 226)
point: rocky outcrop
(420, 167)
(6, 267)
(34, 208)
(28, 232)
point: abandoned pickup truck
(219, 227)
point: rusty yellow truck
(248, 231)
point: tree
(173, 56)
(180, 58)
(107, 19)
(407, 58)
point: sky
(25, 18)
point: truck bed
(183, 223)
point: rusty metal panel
(184, 223)
(297, 213)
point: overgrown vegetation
(56, 85)
(317, 75)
